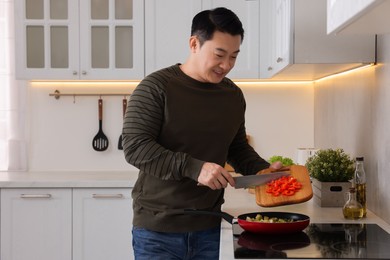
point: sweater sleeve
(141, 127)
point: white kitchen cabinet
(66, 223)
(358, 16)
(266, 45)
(276, 36)
(167, 33)
(72, 39)
(36, 224)
(295, 45)
(247, 64)
(102, 222)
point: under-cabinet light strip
(345, 72)
(127, 84)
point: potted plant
(331, 171)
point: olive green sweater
(172, 126)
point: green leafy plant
(284, 160)
(331, 165)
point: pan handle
(226, 216)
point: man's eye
(219, 55)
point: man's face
(216, 57)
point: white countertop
(240, 201)
(73, 179)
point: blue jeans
(202, 245)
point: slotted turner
(124, 105)
(100, 141)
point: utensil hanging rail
(57, 94)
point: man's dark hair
(219, 19)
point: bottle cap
(359, 158)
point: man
(181, 125)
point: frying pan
(300, 221)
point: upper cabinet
(247, 64)
(167, 33)
(79, 40)
(276, 37)
(294, 44)
(358, 16)
(128, 39)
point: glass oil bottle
(360, 183)
(352, 208)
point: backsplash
(279, 119)
(353, 112)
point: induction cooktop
(317, 241)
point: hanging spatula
(100, 141)
(124, 106)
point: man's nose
(227, 64)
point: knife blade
(258, 179)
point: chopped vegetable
(286, 186)
(266, 219)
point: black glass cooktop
(317, 241)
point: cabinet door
(111, 39)
(71, 39)
(276, 41)
(102, 222)
(167, 32)
(247, 64)
(283, 34)
(36, 224)
(46, 35)
(266, 45)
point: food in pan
(266, 219)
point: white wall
(353, 112)
(279, 119)
(61, 131)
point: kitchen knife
(258, 179)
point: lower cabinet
(66, 224)
(36, 224)
(102, 224)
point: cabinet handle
(269, 68)
(74, 73)
(107, 196)
(279, 60)
(84, 72)
(35, 196)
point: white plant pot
(330, 194)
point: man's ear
(194, 43)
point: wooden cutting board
(265, 199)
